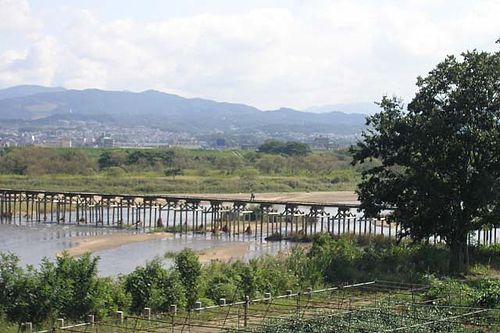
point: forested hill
(167, 111)
(26, 90)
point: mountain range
(43, 105)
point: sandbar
(106, 242)
(224, 253)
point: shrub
(488, 293)
(115, 171)
(450, 292)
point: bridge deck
(346, 199)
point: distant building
(105, 141)
(220, 143)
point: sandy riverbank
(224, 252)
(83, 245)
(106, 242)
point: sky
(268, 54)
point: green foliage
(155, 287)
(115, 171)
(189, 268)
(10, 272)
(368, 320)
(173, 170)
(229, 164)
(440, 155)
(488, 294)
(68, 288)
(284, 148)
(224, 282)
(346, 258)
(78, 290)
(38, 161)
(475, 293)
(450, 292)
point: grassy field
(174, 171)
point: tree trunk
(459, 256)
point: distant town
(92, 134)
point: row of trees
(284, 148)
(71, 288)
(170, 162)
(38, 161)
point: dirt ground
(311, 197)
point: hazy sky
(268, 54)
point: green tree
(229, 163)
(154, 286)
(77, 290)
(439, 159)
(284, 148)
(10, 272)
(189, 268)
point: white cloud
(318, 52)
(15, 17)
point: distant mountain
(363, 108)
(26, 90)
(171, 112)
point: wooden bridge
(259, 219)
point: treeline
(40, 161)
(71, 288)
(273, 158)
(284, 148)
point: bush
(488, 293)
(450, 292)
(115, 171)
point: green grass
(147, 171)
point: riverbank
(110, 241)
(224, 253)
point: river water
(35, 241)
(32, 241)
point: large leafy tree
(439, 159)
